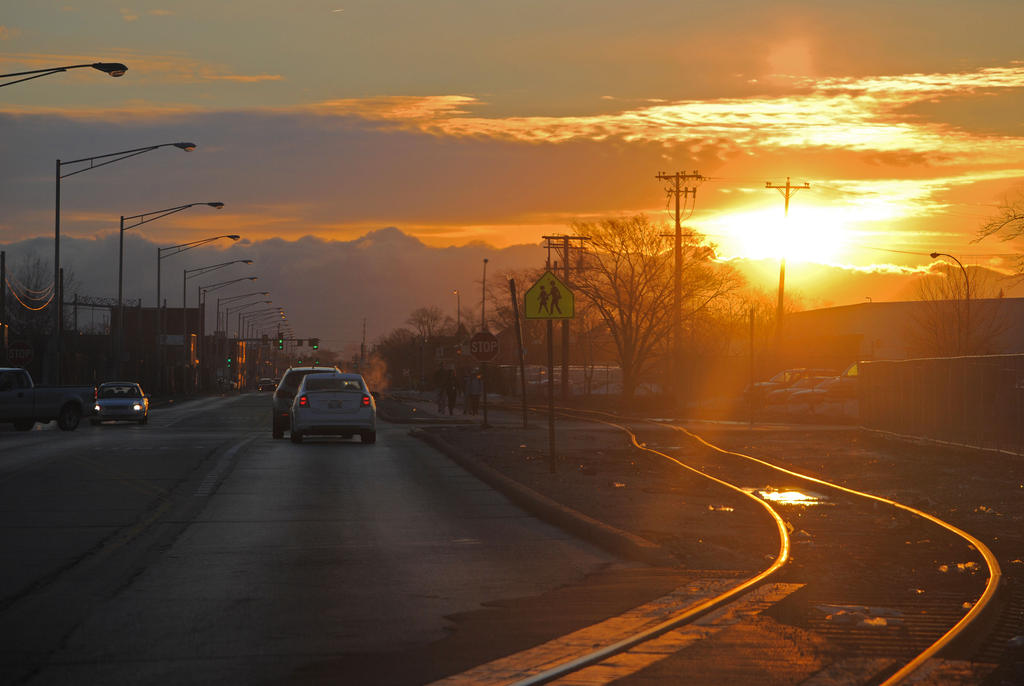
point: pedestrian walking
(451, 391)
(474, 389)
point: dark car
(285, 393)
(265, 385)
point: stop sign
(483, 346)
(19, 354)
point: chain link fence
(977, 401)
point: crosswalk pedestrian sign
(549, 298)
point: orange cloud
(397, 108)
(857, 114)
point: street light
(201, 292)
(240, 308)
(232, 299)
(160, 255)
(114, 69)
(186, 275)
(967, 301)
(258, 317)
(458, 312)
(109, 158)
(241, 333)
(140, 219)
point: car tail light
(303, 401)
(366, 401)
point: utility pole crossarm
(788, 191)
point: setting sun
(810, 234)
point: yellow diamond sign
(549, 298)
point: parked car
(265, 385)
(22, 403)
(782, 396)
(836, 390)
(334, 405)
(757, 393)
(122, 401)
(285, 392)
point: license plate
(334, 404)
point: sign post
(483, 346)
(522, 349)
(550, 299)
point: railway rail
(886, 614)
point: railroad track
(886, 586)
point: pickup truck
(22, 403)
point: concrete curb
(616, 541)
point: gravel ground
(707, 527)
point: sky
(473, 129)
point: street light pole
(967, 300)
(174, 250)
(201, 292)
(108, 158)
(186, 275)
(141, 219)
(483, 300)
(232, 299)
(458, 311)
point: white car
(121, 400)
(333, 404)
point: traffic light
(280, 343)
(314, 343)
(316, 363)
(229, 361)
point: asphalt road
(196, 549)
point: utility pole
(677, 188)
(562, 245)
(483, 299)
(3, 307)
(362, 347)
(787, 192)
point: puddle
(861, 615)
(789, 496)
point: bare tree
(1008, 224)
(428, 321)
(626, 277)
(961, 313)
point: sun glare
(812, 234)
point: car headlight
(96, 407)
(137, 407)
